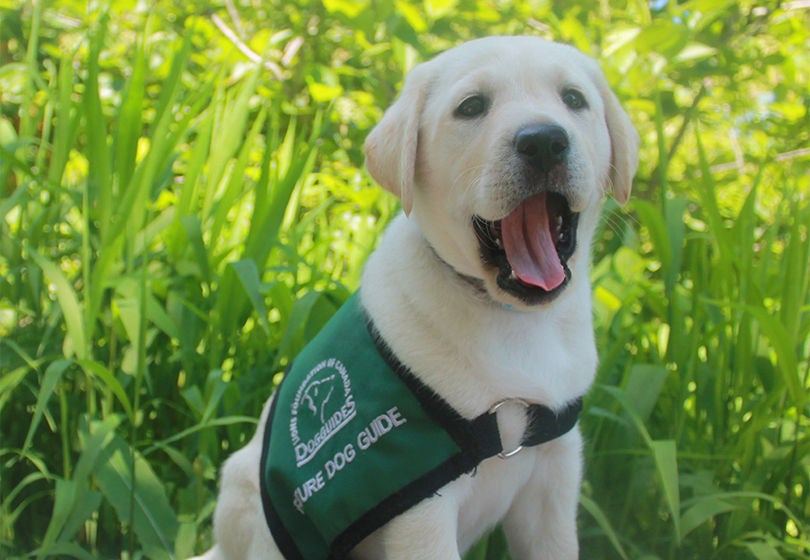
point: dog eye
(574, 99)
(471, 107)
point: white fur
(460, 339)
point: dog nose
(543, 146)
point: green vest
(353, 439)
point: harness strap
(480, 437)
(545, 424)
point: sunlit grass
(166, 247)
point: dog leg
(240, 529)
(425, 532)
(541, 524)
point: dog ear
(624, 142)
(391, 147)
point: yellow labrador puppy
(443, 397)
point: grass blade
(99, 179)
(129, 121)
(705, 509)
(67, 122)
(645, 383)
(154, 521)
(666, 462)
(194, 234)
(76, 342)
(93, 368)
(64, 504)
(604, 523)
(763, 550)
(53, 375)
(248, 275)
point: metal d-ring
(494, 408)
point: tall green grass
(139, 257)
(698, 423)
(172, 234)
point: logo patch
(323, 405)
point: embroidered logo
(323, 405)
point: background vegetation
(182, 205)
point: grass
(171, 235)
(709, 414)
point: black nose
(543, 146)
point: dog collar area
(476, 284)
(354, 439)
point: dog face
(502, 149)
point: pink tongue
(529, 242)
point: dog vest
(353, 439)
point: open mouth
(530, 247)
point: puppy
(478, 302)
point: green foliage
(182, 207)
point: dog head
(502, 150)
